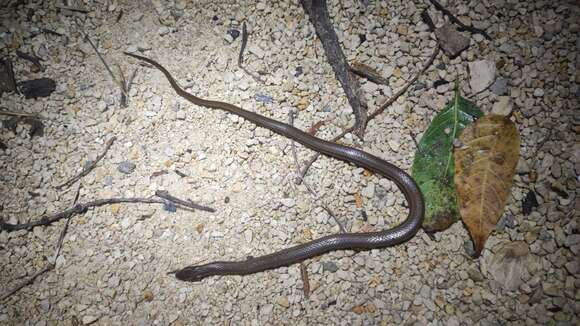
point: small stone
(283, 301)
(369, 190)
(499, 87)
(89, 319)
(243, 85)
(115, 208)
(288, 202)
(573, 239)
(538, 92)
(573, 267)
(126, 167)
(148, 295)
(503, 106)
(551, 289)
(451, 41)
(329, 266)
(482, 75)
(248, 235)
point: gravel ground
(114, 262)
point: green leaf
(434, 168)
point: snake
(399, 234)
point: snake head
(192, 273)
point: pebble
(288, 202)
(329, 267)
(87, 320)
(499, 87)
(283, 301)
(126, 167)
(503, 106)
(481, 75)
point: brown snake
(401, 233)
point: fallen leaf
(485, 167)
(434, 168)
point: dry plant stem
(50, 265)
(380, 110)
(319, 17)
(305, 281)
(241, 55)
(119, 83)
(185, 203)
(458, 22)
(89, 168)
(79, 209)
(76, 9)
(310, 190)
(5, 111)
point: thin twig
(241, 55)
(77, 209)
(89, 168)
(312, 192)
(455, 20)
(32, 58)
(119, 83)
(51, 263)
(244, 43)
(186, 203)
(380, 110)
(305, 281)
(5, 111)
(76, 9)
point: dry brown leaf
(484, 169)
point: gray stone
(503, 106)
(482, 75)
(499, 87)
(126, 167)
(329, 266)
(451, 41)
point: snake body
(370, 240)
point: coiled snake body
(370, 240)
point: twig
(32, 58)
(455, 20)
(305, 282)
(84, 11)
(89, 168)
(5, 111)
(50, 265)
(29, 281)
(367, 72)
(319, 17)
(312, 192)
(244, 43)
(241, 55)
(186, 203)
(119, 83)
(77, 209)
(380, 110)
